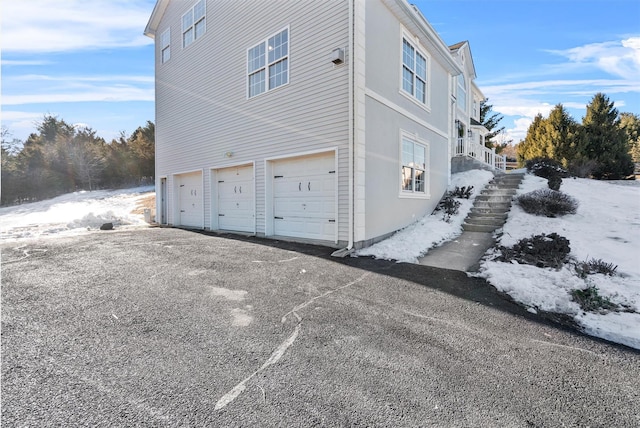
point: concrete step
(494, 198)
(478, 228)
(488, 210)
(498, 191)
(487, 216)
(495, 206)
(487, 221)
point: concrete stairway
(489, 212)
(491, 206)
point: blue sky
(87, 62)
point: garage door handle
(309, 186)
(279, 218)
(300, 187)
(240, 189)
(235, 189)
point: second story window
(461, 95)
(268, 64)
(194, 23)
(414, 72)
(165, 45)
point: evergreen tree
(605, 141)
(631, 124)
(534, 144)
(491, 121)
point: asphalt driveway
(167, 327)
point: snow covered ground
(73, 214)
(606, 226)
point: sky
(87, 62)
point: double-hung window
(414, 72)
(268, 64)
(165, 45)
(194, 23)
(414, 167)
(462, 93)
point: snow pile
(607, 227)
(73, 213)
(412, 242)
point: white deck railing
(468, 147)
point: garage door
(190, 205)
(235, 199)
(304, 197)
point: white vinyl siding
(414, 166)
(414, 72)
(203, 111)
(194, 23)
(165, 45)
(268, 64)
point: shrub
(595, 266)
(590, 301)
(539, 250)
(546, 168)
(463, 192)
(554, 182)
(449, 205)
(582, 168)
(547, 202)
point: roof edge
(154, 20)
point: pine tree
(491, 121)
(631, 124)
(605, 141)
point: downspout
(351, 130)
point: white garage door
(235, 199)
(304, 197)
(190, 204)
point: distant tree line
(61, 158)
(604, 146)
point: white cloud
(68, 25)
(97, 93)
(618, 58)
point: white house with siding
(332, 121)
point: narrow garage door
(190, 205)
(235, 199)
(304, 197)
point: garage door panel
(236, 199)
(190, 205)
(305, 228)
(304, 197)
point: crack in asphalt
(279, 352)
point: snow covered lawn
(607, 227)
(73, 213)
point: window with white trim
(414, 72)
(461, 95)
(414, 166)
(165, 45)
(268, 64)
(194, 23)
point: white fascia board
(154, 20)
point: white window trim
(465, 107)
(404, 35)
(166, 46)
(406, 194)
(192, 27)
(267, 64)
